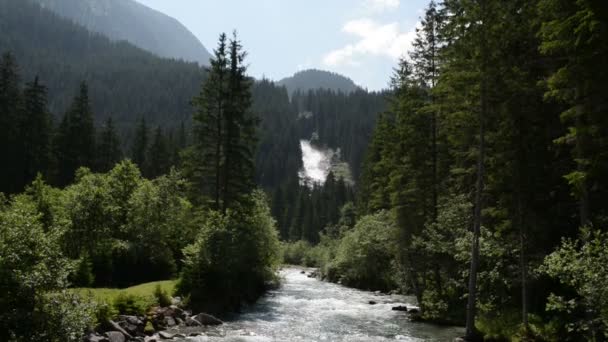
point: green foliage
(296, 253)
(83, 275)
(580, 265)
(232, 259)
(130, 304)
(33, 272)
(66, 317)
(162, 297)
(364, 257)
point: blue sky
(361, 39)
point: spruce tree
(109, 152)
(35, 133)
(140, 144)
(10, 99)
(159, 156)
(75, 140)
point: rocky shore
(160, 323)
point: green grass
(143, 291)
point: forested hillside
(133, 22)
(313, 79)
(126, 82)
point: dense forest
(479, 179)
(483, 190)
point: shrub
(129, 304)
(233, 258)
(162, 297)
(365, 254)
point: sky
(361, 39)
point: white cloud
(382, 5)
(374, 39)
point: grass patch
(132, 300)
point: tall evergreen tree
(221, 161)
(10, 99)
(140, 144)
(159, 156)
(35, 133)
(75, 145)
(109, 152)
(240, 125)
(205, 158)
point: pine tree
(10, 99)
(574, 33)
(35, 133)
(221, 165)
(240, 131)
(204, 160)
(75, 141)
(159, 156)
(140, 144)
(109, 152)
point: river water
(307, 309)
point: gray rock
(191, 322)
(170, 322)
(179, 321)
(165, 335)
(96, 338)
(399, 308)
(131, 319)
(118, 328)
(207, 319)
(116, 336)
(371, 302)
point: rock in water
(371, 302)
(400, 308)
(165, 335)
(206, 319)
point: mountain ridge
(312, 79)
(134, 22)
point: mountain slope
(318, 79)
(131, 21)
(125, 81)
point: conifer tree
(75, 144)
(9, 116)
(159, 156)
(109, 152)
(140, 144)
(35, 133)
(221, 161)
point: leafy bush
(295, 253)
(33, 273)
(129, 304)
(364, 258)
(162, 297)
(233, 258)
(580, 265)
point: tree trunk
(471, 333)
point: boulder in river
(206, 319)
(165, 335)
(399, 308)
(372, 302)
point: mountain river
(307, 309)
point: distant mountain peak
(134, 22)
(311, 79)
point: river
(307, 309)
